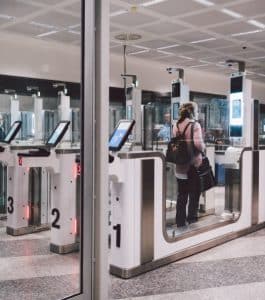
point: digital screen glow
(11, 132)
(175, 110)
(119, 134)
(53, 139)
(236, 109)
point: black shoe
(181, 224)
(193, 220)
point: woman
(187, 178)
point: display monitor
(120, 134)
(176, 110)
(235, 131)
(58, 133)
(236, 84)
(14, 129)
(175, 89)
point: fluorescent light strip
(152, 2)
(260, 74)
(164, 52)
(74, 32)
(204, 2)
(202, 41)
(74, 26)
(42, 25)
(196, 66)
(7, 17)
(141, 47)
(231, 13)
(139, 52)
(185, 57)
(260, 57)
(47, 33)
(204, 61)
(119, 12)
(256, 23)
(168, 47)
(246, 33)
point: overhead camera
(171, 70)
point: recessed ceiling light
(185, 57)
(231, 13)
(119, 12)
(139, 52)
(246, 33)
(204, 2)
(47, 33)
(256, 23)
(152, 2)
(168, 47)
(202, 41)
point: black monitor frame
(125, 137)
(60, 136)
(15, 127)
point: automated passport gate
(61, 162)
(139, 240)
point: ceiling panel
(135, 2)
(251, 8)
(149, 55)
(15, 8)
(129, 49)
(172, 60)
(114, 8)
(57, 19)
(253, 37)
(215, 44)
(27, 29)
(76, 7)
(155, 44)
(207, 18)
(164, 28)
(64, 37)
(114, 28)
(192, 36)
(233, 28)
(182, 49)
(50, 2)
(133, 19)
(176, 8)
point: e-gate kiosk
(61, 162)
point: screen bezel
(14, 133)
(129, 130)
(60, 136)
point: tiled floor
(232, 271)
(28, 270)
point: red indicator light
(27, 212)
(20, 161)
(75, 227)
(76, 170)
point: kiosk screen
(58, 133)
(175, 110)
(176, 90)
(236, 84)
(120, 134)
(14, 129)
(236, 109)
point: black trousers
(188, 189)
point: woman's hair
(187, 110)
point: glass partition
(40, 193)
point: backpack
(178, 150)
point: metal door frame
(94, 150)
